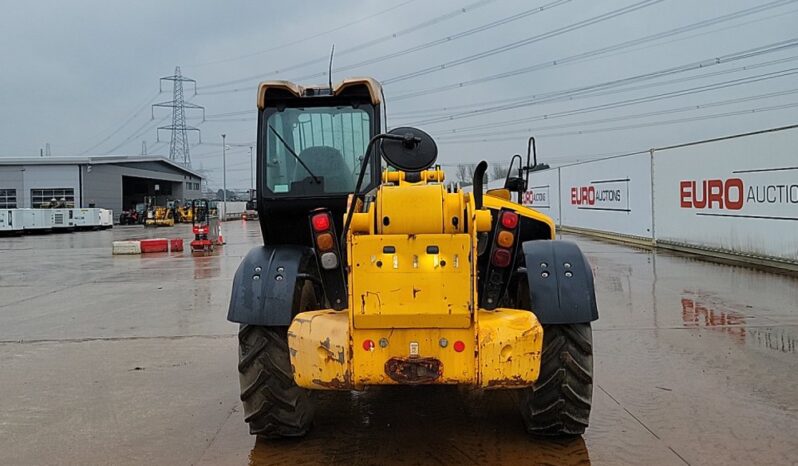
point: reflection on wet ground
(421, 425)
(696, 314)
(129, 360)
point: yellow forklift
(159, 216)
(184, 212)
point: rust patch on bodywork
(335, 384)
(512, 382)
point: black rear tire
(558, 404)
(274, 406)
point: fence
(735, 196)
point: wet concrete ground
(129, 360)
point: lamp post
(224, 178)
(251, 173)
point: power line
(304, 38)
(562, 95)
(124, 123)
(521, 43)
(141, 130)
(682, 109)
(606, 88)
(504, 48)
(593, 53)
(443, 40)
(402, 116)
(364, 45)
(600, 89)
(577, 96)
(639, 125)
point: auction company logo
(735, 194)
(537, 196)
(610, 195)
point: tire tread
(274, 406)
(559, 403)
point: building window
(8, 198)
(42, 197)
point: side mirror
(409, 149)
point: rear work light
(509, 220)
(321, 222)
(501, 258)
(329, 260)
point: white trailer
(93, 218)
(36, 219)
(106, 218)
(232, 211)
(86, 219)
(62, 219)
(10, 221)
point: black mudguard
(265, 287)
(560, 282)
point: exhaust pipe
(479, 176)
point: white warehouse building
(110, 182)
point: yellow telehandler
(375, 275)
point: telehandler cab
(372, 276)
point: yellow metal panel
(500, 193)
(361, 222)
(411, 287)
(454, 220)
(369, 365)
(510, 344)
(413, 209)
(318, 342)
(483, 220)
(426, 176)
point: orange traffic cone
(220, 239)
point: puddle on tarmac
(419, 425)
(705, 311)
(205, 267)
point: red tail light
(459, 346)
(509, 220)
(321, 222)
(501, 258)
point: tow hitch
(413, 370)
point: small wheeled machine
(204, 226)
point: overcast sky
(82, 74)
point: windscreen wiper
(315, 178)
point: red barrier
(154, 245)
(161, 245)
(176, 244)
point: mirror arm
(356, 195)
